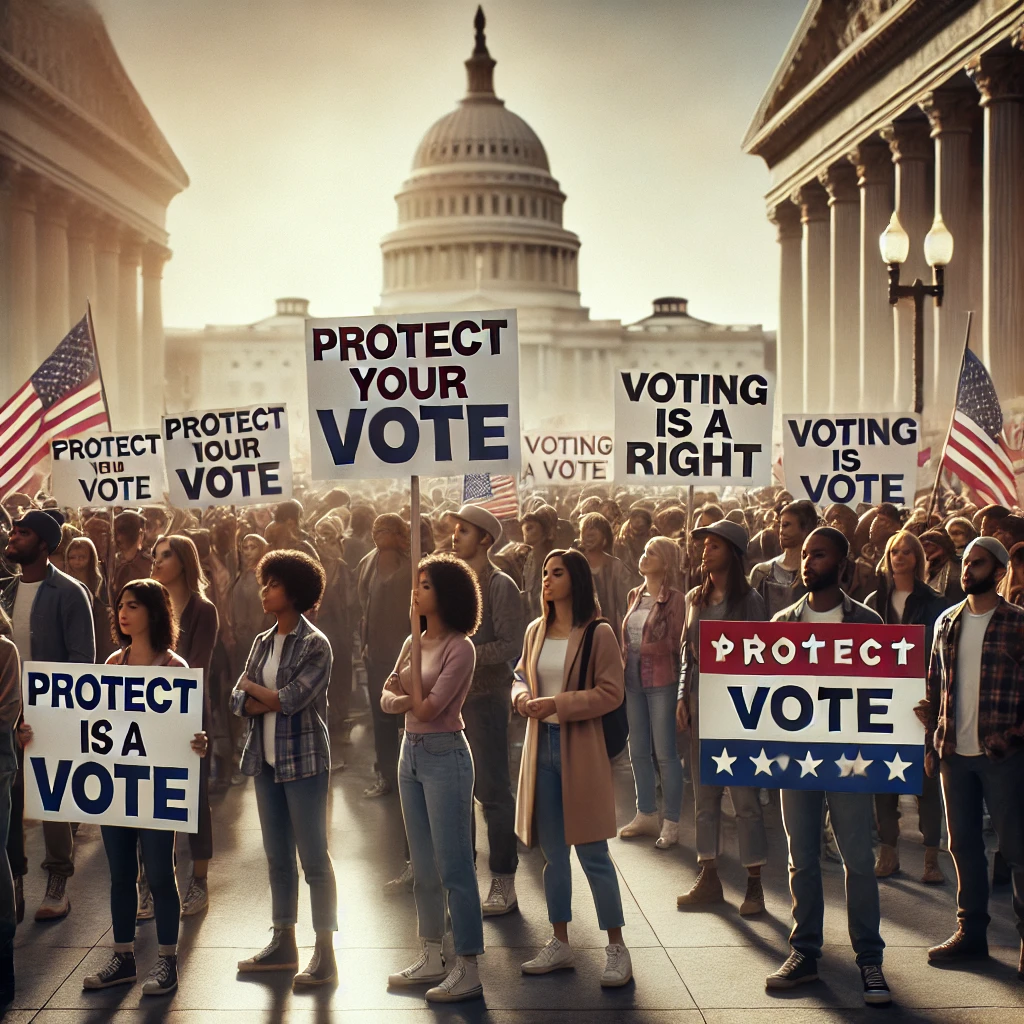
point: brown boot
(888, 862)
(932, 872)
(753, 902)
(706, 889)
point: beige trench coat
(588, 796)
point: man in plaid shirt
(974, 737)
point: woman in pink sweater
(435, 777)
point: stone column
(104, 313)
(816, 368)
(840, 182)
(81, 261)
(952, 114)
(52, 261)
(873, 164)
(23, 278)
(154, 370)
(1000, 80)
(912, 151)
(128, 354)
(789, 345)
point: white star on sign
(812, 645)
(897, 767)
(762, 763)
(723, 646)
(860, 765)
(724, 762)
(808, 766)
(844, 765)
(902, 647)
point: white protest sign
(573, 457)
(707, 429)
(848, 458)
(416, 394)
(110, 744)
(108, 469)
(228, 456)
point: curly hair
(459, 603)
(301, 576)
(153, 596)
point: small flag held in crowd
(496, 493)
(63, 397)
(975, 450)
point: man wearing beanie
(51, 614)
(852, 815)
(974, 739)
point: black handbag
(615, 722)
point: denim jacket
(61, 621)
(302, 746)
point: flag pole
(949, 429)
(96, 355)
(689, 531)
(415, 549)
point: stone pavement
(689, 967)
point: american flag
(497, 494)
(62, 398)
(976, 451)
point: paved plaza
(689, 967)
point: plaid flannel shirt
(302, 747)
(1001, 698)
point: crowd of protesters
(299, 616)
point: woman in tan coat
(565, 796)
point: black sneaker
(119, 970)
(797, 970)
(959, 947)
(280, 955)
(163, 979)
(321, 970)
(876, 991)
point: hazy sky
(297, 121)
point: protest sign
(851, 458)
(108, 469)
(799, 705)
(111, 744)
(228, 456)
(707, 429)
(574, 457)
(428, 393)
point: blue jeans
(597, 864)
(293, 816)
(8, 915)
(852, 816)
(435, 779)
(122, 847)
(652, 713)
(966, 782)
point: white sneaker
(555, 956)
(641, 825)
(502, 897)
(428, 968)
(669, 835)
(618, 969)
(462, 983)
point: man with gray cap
(51, 614)
(499, 643)
(974, 739)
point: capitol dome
(480, 216)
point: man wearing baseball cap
(51, 614)
(973, 719)
(499, 643)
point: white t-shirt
(898, 600)
(21, 619)
(968, 680)
(551, 670)
(832, 615)
(269, 680)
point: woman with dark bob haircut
(435, 777)
(283, 694)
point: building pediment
(56, 55)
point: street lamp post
(894, 244)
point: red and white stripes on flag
(62, 398)
(495, 492)
(980, 462)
